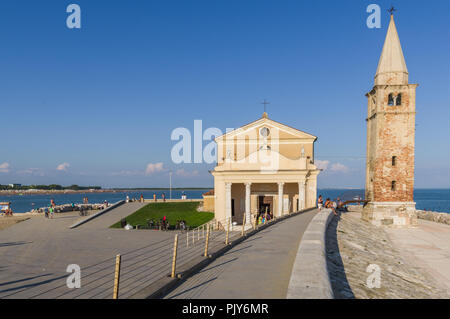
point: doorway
(265, 204)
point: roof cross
(265, 105)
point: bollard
(187, 239)
(117, 278)
(207, 242)
(174, 260)
(228, 233)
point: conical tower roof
(392, 66)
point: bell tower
(390, 139)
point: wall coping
(309, 277)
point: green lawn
(173, 211)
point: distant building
(15, 185)
(390, 139)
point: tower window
(398, 100)
(394, 160)
(393, 186)
(391, 99)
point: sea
(437, 200)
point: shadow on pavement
(335, 266)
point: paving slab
(260, 267)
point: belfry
(390, 139)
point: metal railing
(124, 275)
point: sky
(97, 105)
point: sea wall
(443, 218)
(310, 278)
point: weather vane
(392, 10)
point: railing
(125, 275)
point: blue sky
(100, 103)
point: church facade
(390, 139)
(264, 167)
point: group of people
(335, 206)
(8, 212)
(85, 200)
(264, 218)
(163, 196)
(50, 213)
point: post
(174, 260)
(117, 278)
(228, 233)
(187, 239)
(207, 241)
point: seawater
(436, 200)
(25, 203)
(430, 199)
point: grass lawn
(173, 211)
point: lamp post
(170, 184)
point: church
(263, 167)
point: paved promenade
(428, 247)
(35, 253)
(259, 267)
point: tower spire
(392, 66)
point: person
(154, 197)
(164, 197)
(52, 210)
(128, 199)
(331, 205)
(320, 202)
(340, 204)
(260, 219)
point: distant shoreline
(13, 192)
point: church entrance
(265, 205)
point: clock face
(264, 132)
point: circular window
(264, 132)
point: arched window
(391, 99)
(398, 100)
(393, 186)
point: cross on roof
(392, 10)
(265, 105)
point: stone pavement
(35, 253)
(427, 246)
(259, 267)
(353, 245)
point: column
(247, 203)
(301, 195)
(280, 199)
(228, 200)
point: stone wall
(355, 248)
(443, 218)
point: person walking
(320, 202)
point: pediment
(252, 131)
